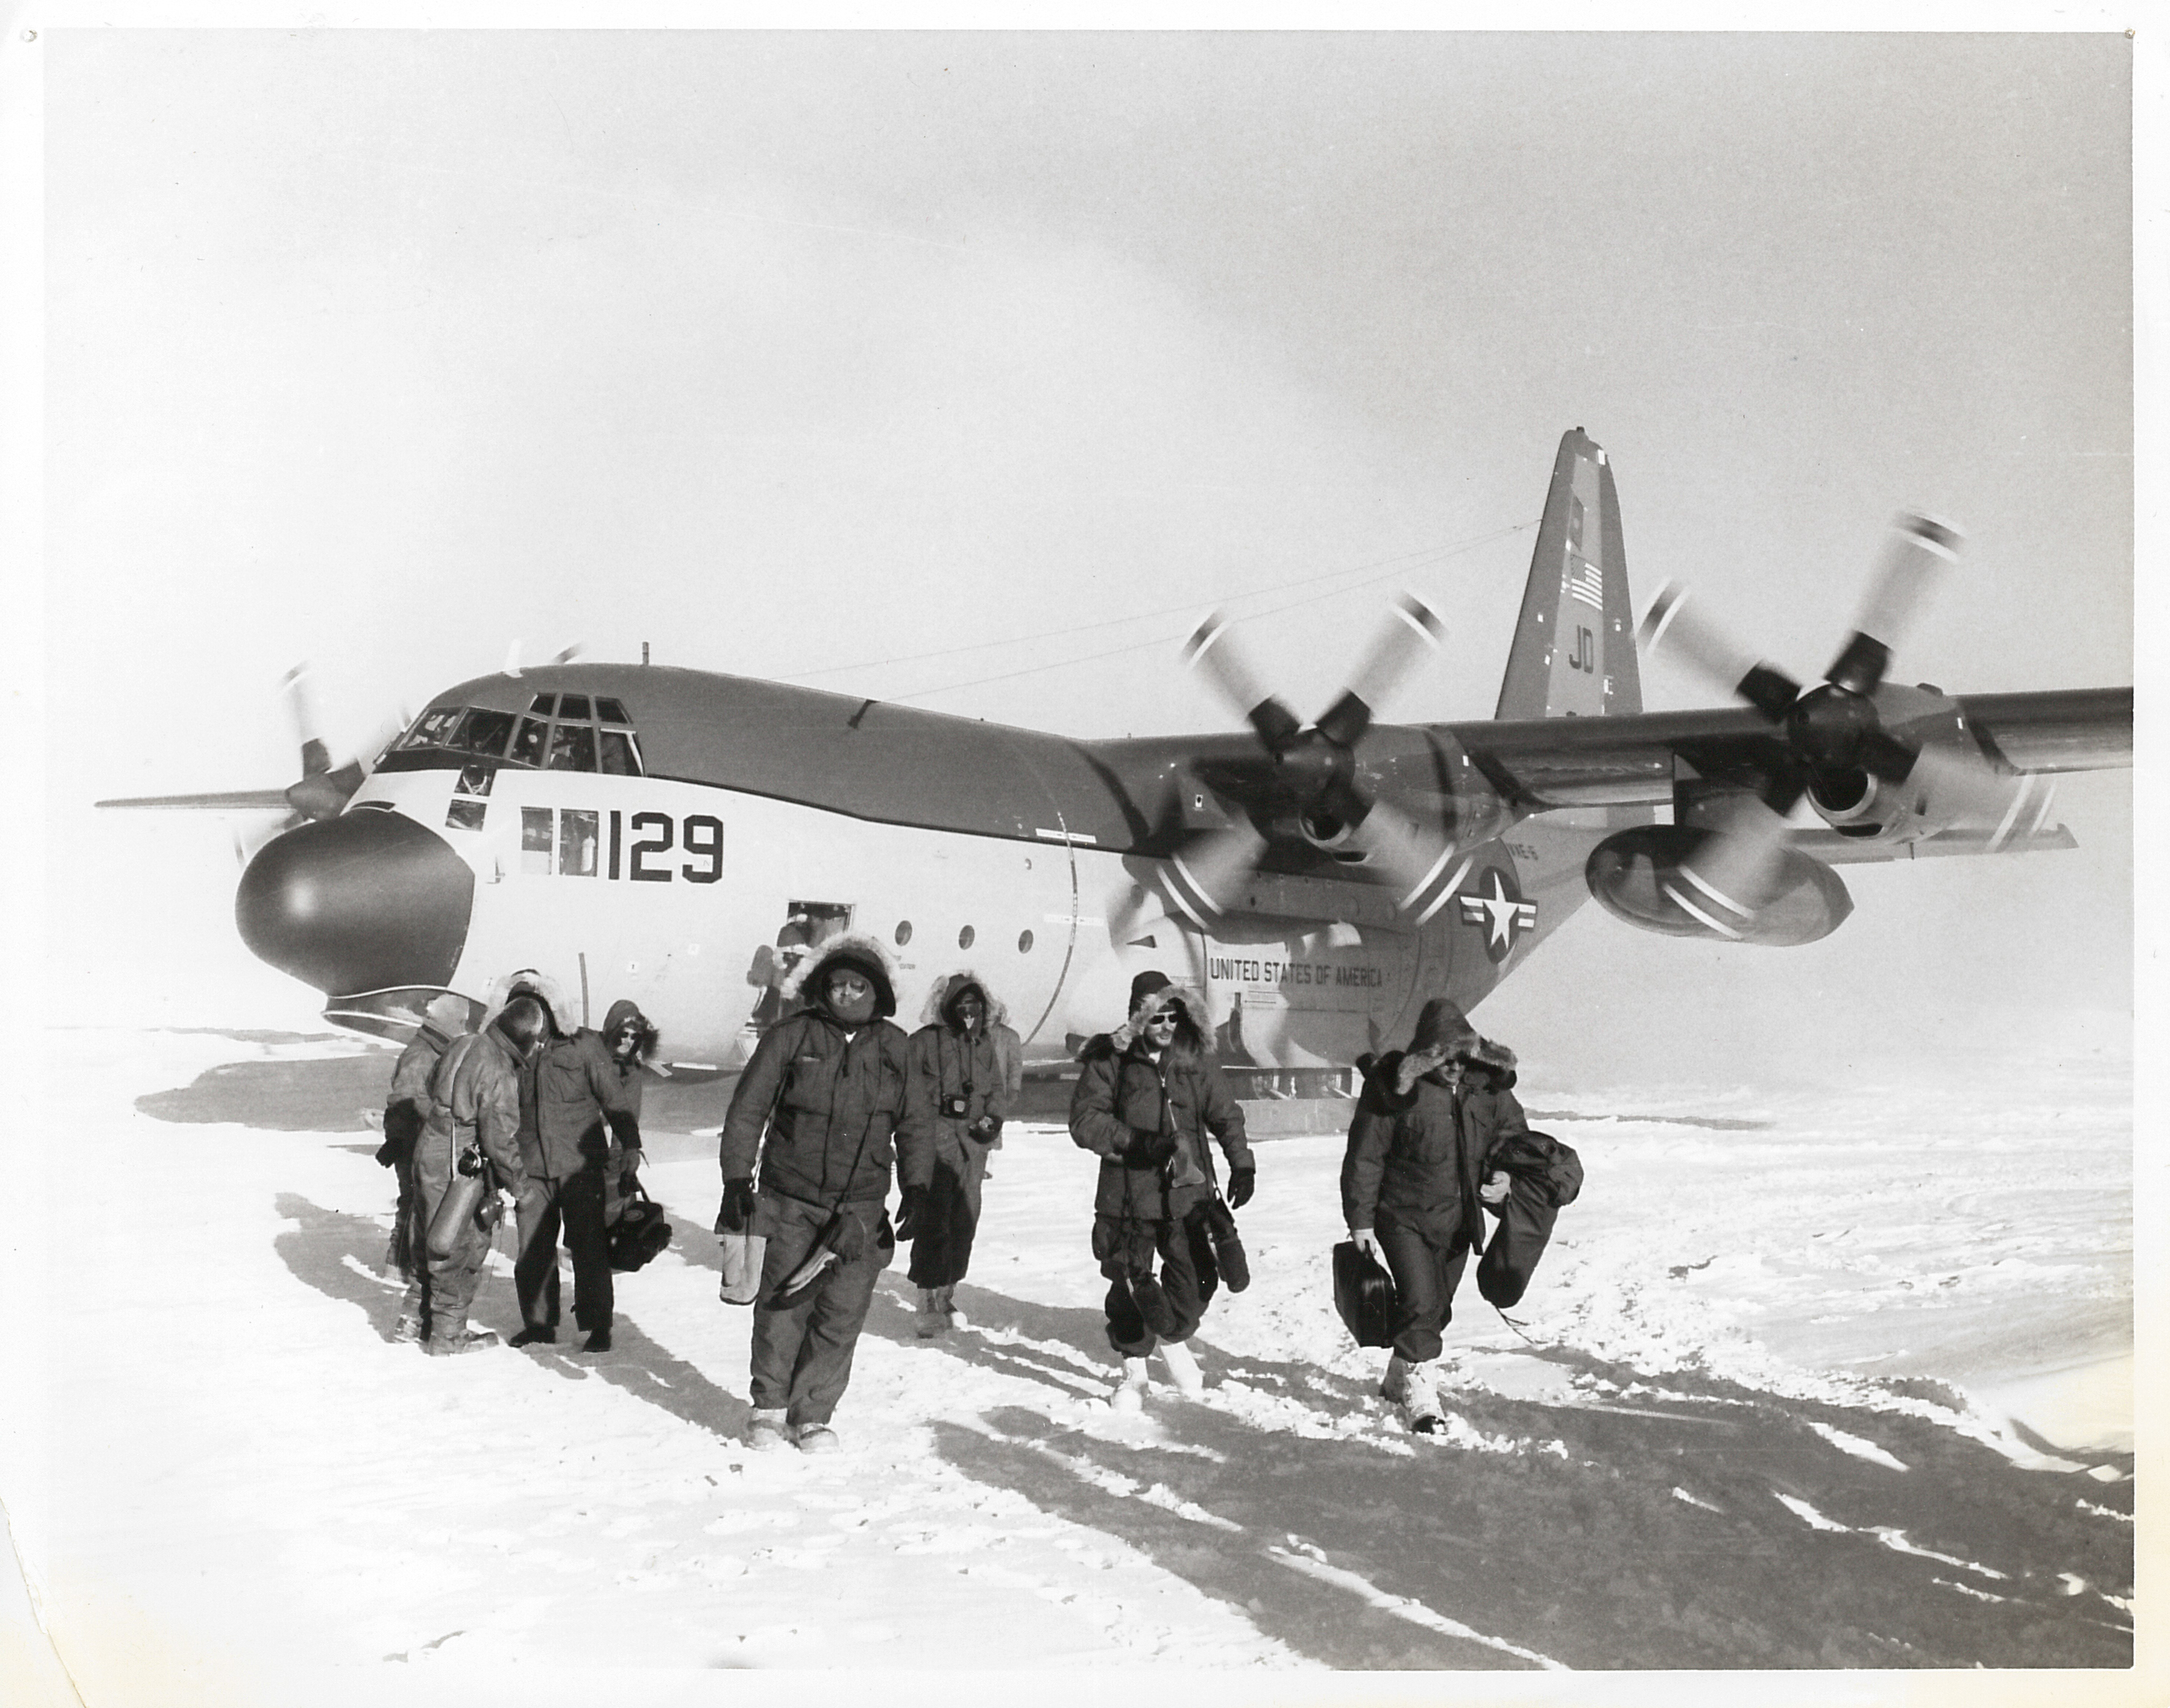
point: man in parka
(820, 1109)
(964, 1068)
(474, 1106)
(406, 1106)
(585, 1139)
(1415, 1175)
(1147, 1098)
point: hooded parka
(829, 1098)
(949, 1069)
(474, 1102)
(1126, 1109)
(1415, 1160)
(820, 1111)
(406, 1108)
(586, 1132)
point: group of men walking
(837, 1103)
(522, 1106)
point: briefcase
(639, 1231)
(1364, 1294)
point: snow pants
(941, 1250)
(1426, 1253)
(577, 1203)
(802, 1355)
(446, 1284)
(1126, 1248)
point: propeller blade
(301, 698)
(566, 654)
(1412, 630)
(1212, 653)
(1414, 856)
(1916, 560)
(1731, 872)
(1672, 625)
(1206, 875)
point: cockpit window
(432, 727)
(619, 760)
(483, 731)
(555, 735)
(572, 748)
(533, 740)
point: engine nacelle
(1646, 876)
(1952, 787)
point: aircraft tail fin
(1574, 654)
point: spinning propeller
(1313, 772)
(1839, 747)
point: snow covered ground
(1839, 1380)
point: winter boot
(946, 1302)
(933, 1320)
(407, 1331)
(447, 1338)
(535, 1334)
(816, 1437)
(598, 1340)
(766, 1432)
(1183, 1369)
(1130, 1394)
(1395, 1384)
(1420, 1401)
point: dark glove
(1148, 1150)
(911, 1211)
(736, 1214)
(1242, 1183)
(987, 1128)
(626, 1164)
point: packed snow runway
(1754, 1413)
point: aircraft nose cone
(367, 901)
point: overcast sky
(971, 370)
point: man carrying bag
(833, 1074)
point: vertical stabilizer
(1575, 643)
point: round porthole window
(903, 932)
(1024, 942)
(965, 938)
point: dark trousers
(1426, 1254)
(802, 1355)
(1188, 1277)
(941, 1249)
(576, 1205)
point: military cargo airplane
(680, 837)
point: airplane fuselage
(1042, 863)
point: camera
(954, 1107)
(470, 1162)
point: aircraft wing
(234, 801)
(1540, 764)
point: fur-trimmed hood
(943, 994)
(565, 1017)
(1490, 1062)
(1488, 1056)
(868, 953)
(623, 1011)
(1191, 1028)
